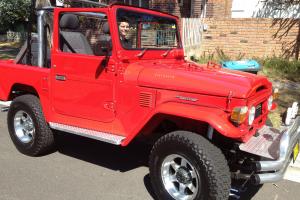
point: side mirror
(103, 48)
(106, 46)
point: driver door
(82, 85)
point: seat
(70, 39)
(104, 40)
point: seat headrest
(69, 21)
(105, 28)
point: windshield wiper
(142, 53)
(167, 52)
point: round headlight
(251, 115)
(270, 102)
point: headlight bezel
(251, 115)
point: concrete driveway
(85, 169)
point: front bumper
(277, 147)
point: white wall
(264, 9)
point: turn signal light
(239, 114)
(275, 93)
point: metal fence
(192, 31)
(166, 38)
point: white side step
(102, 136)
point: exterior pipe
(41, 38)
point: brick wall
(173, 7)
(218, 8)
(168, 6)
(252, 37)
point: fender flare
(215, 117)
(42, 95)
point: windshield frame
(179, 42)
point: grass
(9, 50)
(280, 68)
(287, 73)
(10, 44)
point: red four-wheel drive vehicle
(206, 124)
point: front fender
(217, 118)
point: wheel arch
(19, 89)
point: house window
(139, 3)
(180, 2)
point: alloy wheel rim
(24, 127)
(179, 177)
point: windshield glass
(141, 30)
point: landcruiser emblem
(167, 76)
(187, 98)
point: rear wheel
(27, 126)
(185, 166)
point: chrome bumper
(273, 170)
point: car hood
(195, 78)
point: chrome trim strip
(97, 135)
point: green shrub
(278, 67)
(218, 56)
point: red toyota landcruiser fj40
(83, 73)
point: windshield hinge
(229, 97)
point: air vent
(260, 88)
(146, 99)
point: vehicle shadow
(245, 193)
(106, 155)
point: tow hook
(5, 109)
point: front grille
(258, 110)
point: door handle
(60, 77)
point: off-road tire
(43, 140)
(208, 161)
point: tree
(13, 13)
(287, 20)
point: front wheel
(185, 166)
